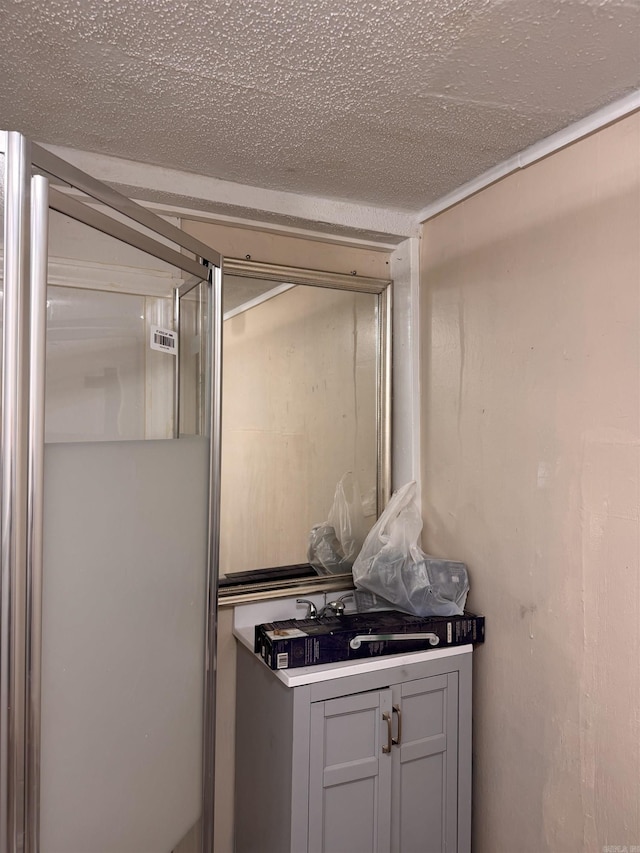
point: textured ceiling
(387, 102)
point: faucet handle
(312, 610)
(337, 607)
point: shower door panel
(125, 573)
(123, 645)
(2, 168)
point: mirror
(305, 395)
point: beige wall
(292, 251)
(531, 387)
(268, 247)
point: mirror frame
(233, 594)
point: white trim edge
(572, 133)
(406, 432)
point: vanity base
(376, 761)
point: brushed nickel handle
(387, 718)
(396, 741)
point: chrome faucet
(312, 610)
(331, 608)
(335, 608)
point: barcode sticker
(449, 632)
(164, 340)
(282, 660)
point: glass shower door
(110, 503)
(125, 553)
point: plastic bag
(394, 570)
(333, 545)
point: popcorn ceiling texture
(392, 103)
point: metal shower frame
(27, 198)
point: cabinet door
(350, 775)
(425, 766)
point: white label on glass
(164, 340)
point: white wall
(531, 424)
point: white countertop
(325, 672)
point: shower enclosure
(110, 455)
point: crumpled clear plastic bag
(395, 571)
(334, 544)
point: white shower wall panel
(103, 380)
(123, 644)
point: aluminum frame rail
(39, 232)
(214, 407)
(58, 168)
(14, 630)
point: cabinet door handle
(396, 741)
(387, 718)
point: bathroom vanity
(362, 757)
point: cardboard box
(308, 642)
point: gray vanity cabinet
(425, 766)
(362, 797)
(349, 775)
(378, 762)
